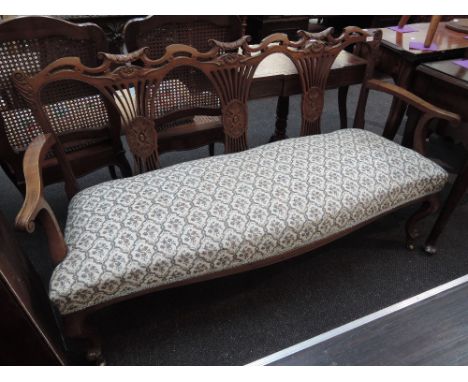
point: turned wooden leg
(282, 111)
(112, 172)
(413, 116)
(211, 149)
(124, 166)
(342, 97)
(78, 328)
(435, 20)
(456, 194)
(403, 21)
(429, 206)
(360, 116)
(398, 108)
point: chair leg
(19, 184)
(433, 25)
(77, 327)
(211, 149)
(124, 166)
(429, 206)
(342, 97)
(457, 192)
(112, 172)
(282, 111)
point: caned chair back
(29, 44)
(185, 92)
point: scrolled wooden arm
(429, 111)
(413, 100)
(35, 206)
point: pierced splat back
(314, 60)
(185, 92)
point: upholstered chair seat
(211, 215)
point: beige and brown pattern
(208, 215)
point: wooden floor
(429, 329)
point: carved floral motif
(142, 137)
(230, 58)
(127, 71)
(312, 103)
(235, 118)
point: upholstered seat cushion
(218, 213)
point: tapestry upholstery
(218, 213)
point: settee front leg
(78, 327)
(429, 206)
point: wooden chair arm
(413, 100)
(428, 111)
(35, 206)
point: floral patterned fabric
(218, 213)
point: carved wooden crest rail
(130, 82)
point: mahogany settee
(225, 214)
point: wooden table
(398, 61)
(444, 84)
(277, 76)
(428, 329)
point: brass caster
(414, 234)
(95, 358)
(411, 246)
(430, 249)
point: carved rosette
(230, 58)
(235, 119)
(127, 72)
(142, 137)
(312, 104)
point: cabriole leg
(429, 206)
(78, 328)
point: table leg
(413, 116)
(398, 108)
(458, 191)
(282, 111)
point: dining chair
(185, 103)
(76, 112)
